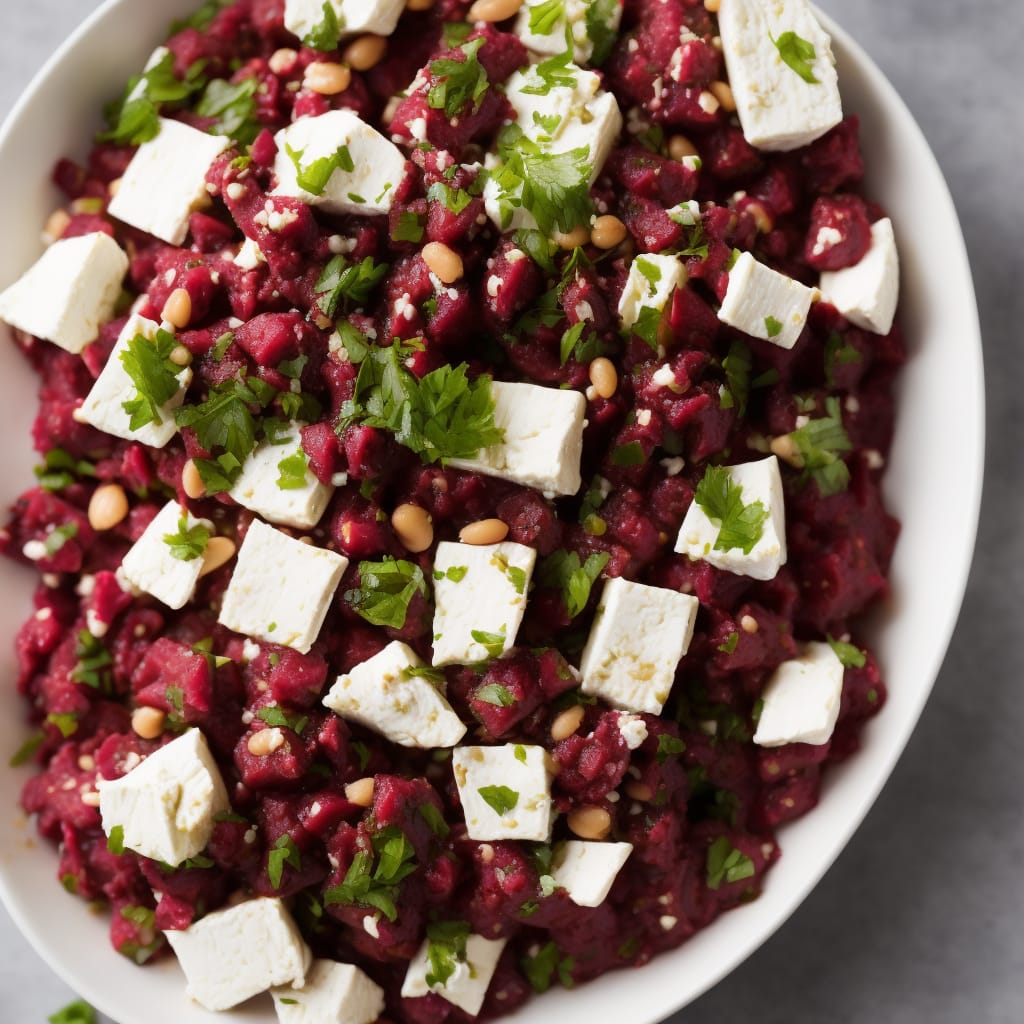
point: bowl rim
(957, 268)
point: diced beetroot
(839, 235)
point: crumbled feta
(149, 564)
(166, 805)
(761, 481)
(281, 589)
(575, 17)
(586, 870)
(652, 280)
(867, 294)
(103, 407)
(635, 643)
(231, 955)
(481, 590)
(68, 292)
(468, 984)
(633, 730)
(777, 107)
(380, 17)
(166, 180)
(384, 695)
(333, 993)
(543, 441)
(801, 699)
(764, 303)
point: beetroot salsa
(462, 431)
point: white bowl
(933, 485)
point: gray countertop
(919, 918)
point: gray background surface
(920, 919)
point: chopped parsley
(292, 469)
(454, 200)
(313, 178)
(726, 864)
(78, 1012)
(458, 82)
(581, 343)
(189, 542)
(147, 362)
(740, 525)
(27, 750)
(669, 746)
(446, 949)
(58, 537)
(323, 36)
(848, 654)
(284, 852)
(94, 663)
(496, 694)
(541, 968)
(564, 570)
(346, 285)
(66, 722)
(373, 877)
(598, 18)
(275, 717)
(232, 106)
(115, 840)
(493, 643)
(737, 365)
(434, 819)
(385, 591)
(838, 352)
(455, 573)
(629, 454)
(410, 227)
(545, 16)
(772, 326)
(820, 444)
(554, 73)
(500, 799)
(729, 646)
(60, 470)
(797, 53)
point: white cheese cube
(778, 107)
(481, 590)
(258, 486)
(68, 292)
(281, 589)
(761, 481)
(547, 39)
(167, 804)
(801, 699)
(234, 954)
(543, 441)
(333, 994)
(378, 164)
(866, 294)
(505, 791)
(149, 564)
(468, 984)
(166, 181)
(104, 408)
(383, 694)
(651, 282)
(764, 303)
(587, 870)
(635, 643)
(380, 17)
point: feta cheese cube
(333, 994)
(761, 481)
(167, 804)
(635, 643)
(149, 564)
(281, 589)
(764, 303)
(407, 709)
(547, 38)
(779, 107)
(866, 294)
(104, 408)
(652, 280)
(68, 292)
(801, 699)
(378, 164)
(258, 487)
(505, 791)
(587, 870)
(166, 180)
(380, 17)
(480, 596)
(231, 955)
(543, 441)
(468, 984)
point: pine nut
(680, 147)
(57, 223)
(360, 792)
(604, 377)
(114, 187)
(638, 791)
(180, 356)
(712, 5)
(786, 448)
(148, 722)
(327, 78)
(590, 822)
(442, 261)
(191, 482)
(573, 239)
(567, 723)
(265, 742)
(178, 308)
(749, 624)
(723, 93)
(494, 10)
(761, 218)
(282, 61)
(413, 527)
(418, 5)
(219, 551)
(91, 798)
(608, 232)
(366, 52)
(484, 531)
(107, 507)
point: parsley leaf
(545, 16)
(115, 840)
(348, 285)
(60, 470)
(93, 665)
(292, 469)
(385, 591)
(78, 1012)
(434, 819)
(202, 19)
(446, 948)
(493, 643)
(541, 968)
(598, 19)
(820, 443)
(726, 864)
(410, 228)
(556, 72)
(314, 178)
(188, 543)
(772, 326)
(737, 366)
(797, 53)
(457, 82)
(564, 570)
(454, 200)
(369, 886)
(729, 646)
(740, 526)
(323, 36)
(838, 352)
(232, 105)
(500, 799)
(284, 852)
(58, 537)
(669, 746)
(848, 654)
(629, 454)
(496, 694)
(275, 717)
(155, 377)
(27, 750)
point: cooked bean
(484, 531)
